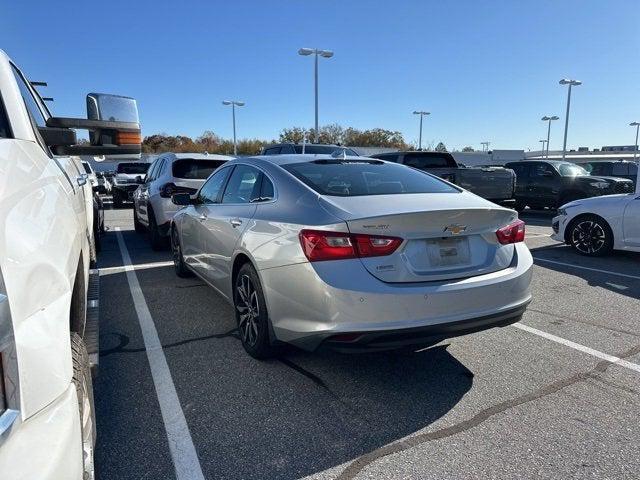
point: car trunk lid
(446, 235)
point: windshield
(323, 149)
(132, 168)
(195, 169)
(571, 170)
(351, 178)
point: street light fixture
(571, 83)
(234, 104)
(422, 114)
(549, 119)
(485, 146)
(325, 54)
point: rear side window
(132, 168)
(522, 171)
(194, 169)
(272, 151)
(421, 161)
(86, 166)
(266, 190)
(620, 169)
(353, 178)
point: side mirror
(113, 125)
(139, 179)
(181, 199)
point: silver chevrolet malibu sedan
(350, 253)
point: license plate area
(448, 252)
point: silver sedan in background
(351, 253)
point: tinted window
(266, 190)
(5, 131)
(86, 166)
(571, 170)
(353, 178)
(539, 169)
(620, 169)
(420, 161)
(243, 186)
(272, 151)
(323, 149)
(132, 168)
(599, 169)
(521, 171)
(29, 100)
(210, 191)
(389, 157)
(287, 149)
(194, 169)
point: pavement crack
(124, 341)
(360, 463)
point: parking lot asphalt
(545, 402)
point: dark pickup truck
(493, 183)
(551, 184)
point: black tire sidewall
(263, 348)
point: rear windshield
(352, 178)
(195, 169)
(323, 150)
(132, 168)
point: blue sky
(487, 70)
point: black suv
(310, 148)
(549, 183)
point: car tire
(84, 390)
(157, 241)
(178, 259)
(590, 235)
(251, 314)
(136, 223)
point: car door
(193, 228)
(521, 170)
(544, 185)
(631, 221)
(226, 221)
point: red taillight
(512, 233)
(321, 245)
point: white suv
(170, 173)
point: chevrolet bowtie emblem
(455, 229)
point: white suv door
(631, 222)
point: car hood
(604, 199)
(598, 178)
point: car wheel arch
(581, 216)
(78, 303)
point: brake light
(512, 233)
(319, 245)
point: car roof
(308, 144)
(301, 158)
(199, 156)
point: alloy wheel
(588, 237)
(248, 307)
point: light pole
(549, 119)
(234, 104)
(485, 146)
(422, 114)
(323, 53)
(542, 151)
(571, 83)
(635, 150)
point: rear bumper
(308, 303)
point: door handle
(235, 222)
(82, 179)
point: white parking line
(608, 272)
(137, 266)
(581, 348)
(183, 452)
